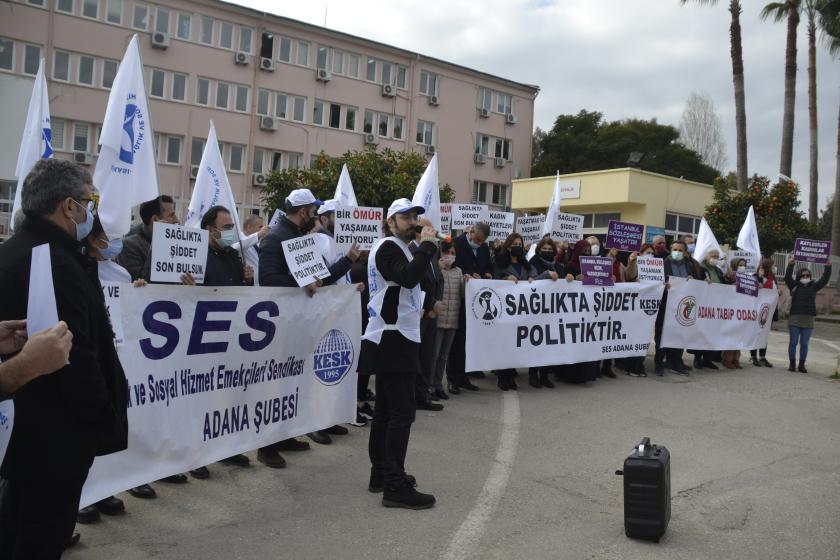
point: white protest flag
(36, 142)
(344, 193)
(212, 187)
(748, 236)
(427, 193)
(705, 241)
(550, 216)
(126, 172)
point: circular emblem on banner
(333, 357)
(687, 311)
(650, 306)
(763, 315)
(486, 305)
(134, 127)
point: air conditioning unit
(242, 58)
(510, 119)
(433, 100)
(388, 90)
(266, 64)
(258, 179)
(160, 40)
(430, 149)
(268, 123)
(193, 171)
(483, 113)
(478, 158)
(499, 162)
(370, 138)
(322, 75)
(82, 158)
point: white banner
(567, 227)
(111, 291)
(358, 225)
(702, 316)
(178, 250)
(305, 259)
(464, 215)
(501, 224)
(651, 269)
(213, 372)
(543, 323)
(530, 228)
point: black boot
(545, 381)
(792, 366)
(754, 361)
(502, 381)
(606, 369)
(534, 379)
(511, 378)
(802, 368)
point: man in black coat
(137, 246)
(63, 420)
(432, 286)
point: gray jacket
(136, 248)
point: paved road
(755, 457)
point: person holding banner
(707, 269)
(391, 350)
(634, 366)
(44, 352)
(803, 309)
(678, 266)
(137, 246)
(78, 412)
(766, 275)
(731, 359)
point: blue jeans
(801, 335)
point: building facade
(279, 91)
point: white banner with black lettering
(547, 323)
(702, 316)
(213, 372)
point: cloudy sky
(639, 58)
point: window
(241, 103)
(382, 129)
(499, 195)
(402, 77)
(246, 35)
(173, 150)
(353, 65)
(276, 161)
(479, 191)
(196, 151)
(80, 137)
(225, 35)
(222, 91)
(285, 53)
(65, 6)
(337, 62)
(262, 101)
(31, 59)
(399, 123)
(57, 128)
(280, 105)
(294, 160)
(162, 20)
(428, 83)
(321, 60)
(386, 73)
(259, 159)
(140, 19)
(335, 115)
(61, 65)
(109, 72)
(370, 72)
(90, 8)
(36, 2)
(318, 113)
(158, 79)
(502, 148)
(86, 70)
(482, 144)
(237, 157)
(179, 87)
(206, 35)
(7, 54)
(267, 45)
(303, 53)
(114, 13)
(184, 26)
(485, 98)
(367, 128)
(424, 132)
(97, 129)
(350, 118)
(202, 93)
(603, 220)
(503, 103)
(300, 109)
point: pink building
(279, 91)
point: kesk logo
(134, 129)
(687, 311)
(486, 305)
(333, 357)
(763, 314)
(650, 306)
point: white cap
(302, 197)
(327, 206)
(403, 205)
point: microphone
(439, 235)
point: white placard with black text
(178, 250)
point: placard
(812, 250)
(651, 269)
(530, 228)
(625, 236)
(464, 215)
(751, 258)
(178, 250)
(357, 224)
(653, 231)
(597, 271)
(567, 227)
(501, 224)
(446, 218)
(746, 283)
(305, 260)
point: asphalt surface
(755, 475)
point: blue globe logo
(333, 357)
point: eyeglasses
(90, 203)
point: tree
(776, 215)
(789, 10)
(737, 56)
(813, 172)
(378, 178)
(829, 18)
(585, 142)
(700, 130)
(826, 221)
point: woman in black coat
(803, 309)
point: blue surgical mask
(113, 249)
(84, 229)
(227, 238)
(691, 247)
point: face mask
(547, 255)
(676, 255)
(227, 238)
(774, 270)
(474, 245)
(595, 250)
(714, 262)
(805, 280)
(742, 269)
(83, 229)
(112, 250)
(647, 254)
(691, 247)
(447, 260)
(517, 251)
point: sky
(624, 58)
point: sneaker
(337, 430)
(201, 473)
(632, 373)
(239, 460)
(679, 369)
(407, 497)
(271, 458)
(429, 405)
(366, 411)
(360, 421)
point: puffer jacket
(453, 295)
(804, 296)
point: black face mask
(517, 251)
(546, 255)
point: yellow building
(631, 195)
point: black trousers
(456, 364)
(391, 427)
(37, 517)
(424, 381)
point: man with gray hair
(79, 411)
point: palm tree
(788, 9)
(737, 55)
(811, 7)
(829, 18)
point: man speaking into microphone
(391, 350)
